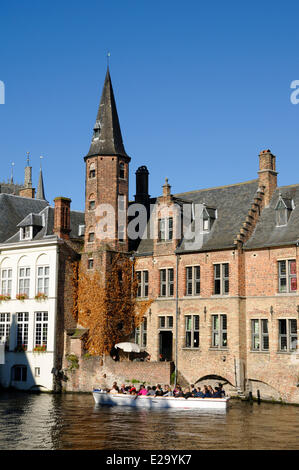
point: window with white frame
(142, 279)
(165, 229)
(37, 372)
(221, 279)
(166, 282)
(6, 281)
(287, 334)
(191, 331)
(287, 276)
(192, 280)
(92, 170)
(141, 334)
(26, 233)
(22, 329)
(24, 281)
(43, 273)
(259, 335)
(41, 329)
(4, 327)
(121, 232)
(219, 331)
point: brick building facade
(225, 300)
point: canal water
(73, 421)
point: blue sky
(201, 88)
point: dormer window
(165, 229)
(26, 232)
(96, 131)
(283, 210)
(208, 218)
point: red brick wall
(93, 372)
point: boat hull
(149, 402)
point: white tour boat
(150, 402)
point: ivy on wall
(107, 307)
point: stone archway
(214, 380)
(214, 377)
(266, 391)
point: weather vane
(108, 55)
(28, 153)
(41, 157)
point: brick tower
(106, 183)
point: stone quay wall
(98, 372)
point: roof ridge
(218, 187)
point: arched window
(91, 202)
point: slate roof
(16, 211)
(13, 209)
(107, 127)
(232, 203)
(266, 232)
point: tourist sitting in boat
(114, 390)
(221, 390)
(193, 389)
(122, 389)
(159, 392)
(142, 390)
(187, 393)
(178, 392)
(217, 393)
(167, 391)
(211, 390)
(132, 390)
(198, 393)
(151, 391)
(206, 392)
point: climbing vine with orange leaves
(107, 307)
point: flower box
(40, 348)
(21, 348)
(4, 297)
(40, 296)
(22, 296)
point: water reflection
(74, 422)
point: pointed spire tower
(107, 138)
(40, 193)
(107, 176)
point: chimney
(267, 174)
(142, 196)
(166, 189)
(62, 216)
(27, 192)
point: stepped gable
(266, 232)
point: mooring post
(258, 397)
